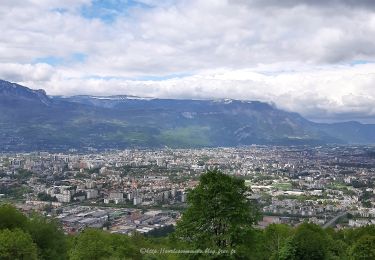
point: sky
(314, 57)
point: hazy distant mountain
(31, 120)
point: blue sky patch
(77, 57)
(51, 60)
(109, 10)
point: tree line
(218, 224)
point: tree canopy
(308, 243)
(16, 244)
(34, 232)
(364, 248)
(219, 214)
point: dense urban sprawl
(145, 190)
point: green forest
(219, 223)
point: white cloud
(295, 54)
(26, 72)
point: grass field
(282, 186)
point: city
(145, 190)
(199, 129)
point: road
(333, 221)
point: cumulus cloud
(26, 72)
(325, 93)
(312, 57)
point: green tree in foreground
(98, 244)
(275, 237)
(45, 233)
(364, 248)
(48, 236)
(11, 218)
(219, 215)
(91, 244)
(309, 242)
(16, 244)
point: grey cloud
(366, 4)
(186, 37)
(348, 50)
(193, 37)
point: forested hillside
(31, 121)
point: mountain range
(32, 120)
